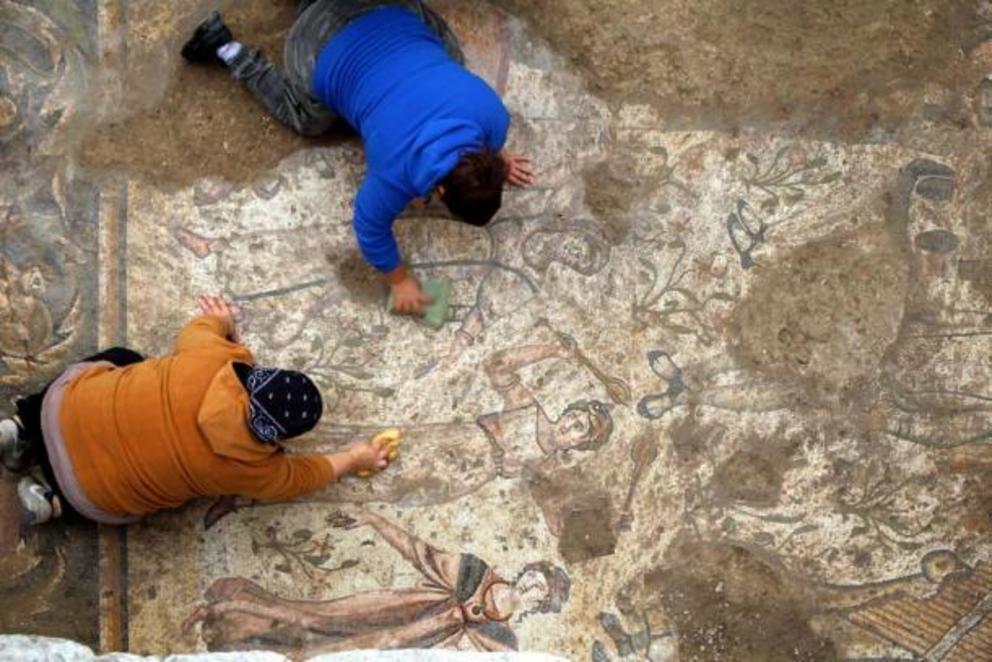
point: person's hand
(408, 297)
(519, 170)
(214, 305)
(367, 456)
(385, 444)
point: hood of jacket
(223, 419)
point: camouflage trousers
(286, 93)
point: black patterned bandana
(282, 404)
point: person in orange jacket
(118, 436)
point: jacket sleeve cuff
(329, 471)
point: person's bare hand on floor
(214, 305)
(368, 456)
(519, 170)
(408, 297)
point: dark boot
(208, 37)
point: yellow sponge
(389, 438)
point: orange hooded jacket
(156, 434)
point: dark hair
(559, 587)
(600, 423)
(473, 190)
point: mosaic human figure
(502, 444)
(461, 603)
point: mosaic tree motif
(667, 302)
(787, 176)
(512, 272)
(302, 553)
(882, 504)
(781, 183)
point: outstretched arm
(285, 477)
(439, 567)
(376, 208)
(502, 369)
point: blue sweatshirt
(417, 110)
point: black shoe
(208, 37)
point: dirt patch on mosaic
(837, 66)
(754, 475)
(727, 603)
(354, 273)
(822, 316)
(610, 190)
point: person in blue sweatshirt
(394, 72)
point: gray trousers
(286, 94)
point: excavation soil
(729, 604)
(844, 68)
(838, 69)
(207, 124)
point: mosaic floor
(702, 395)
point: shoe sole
(193, 50)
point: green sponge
(437, 312)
